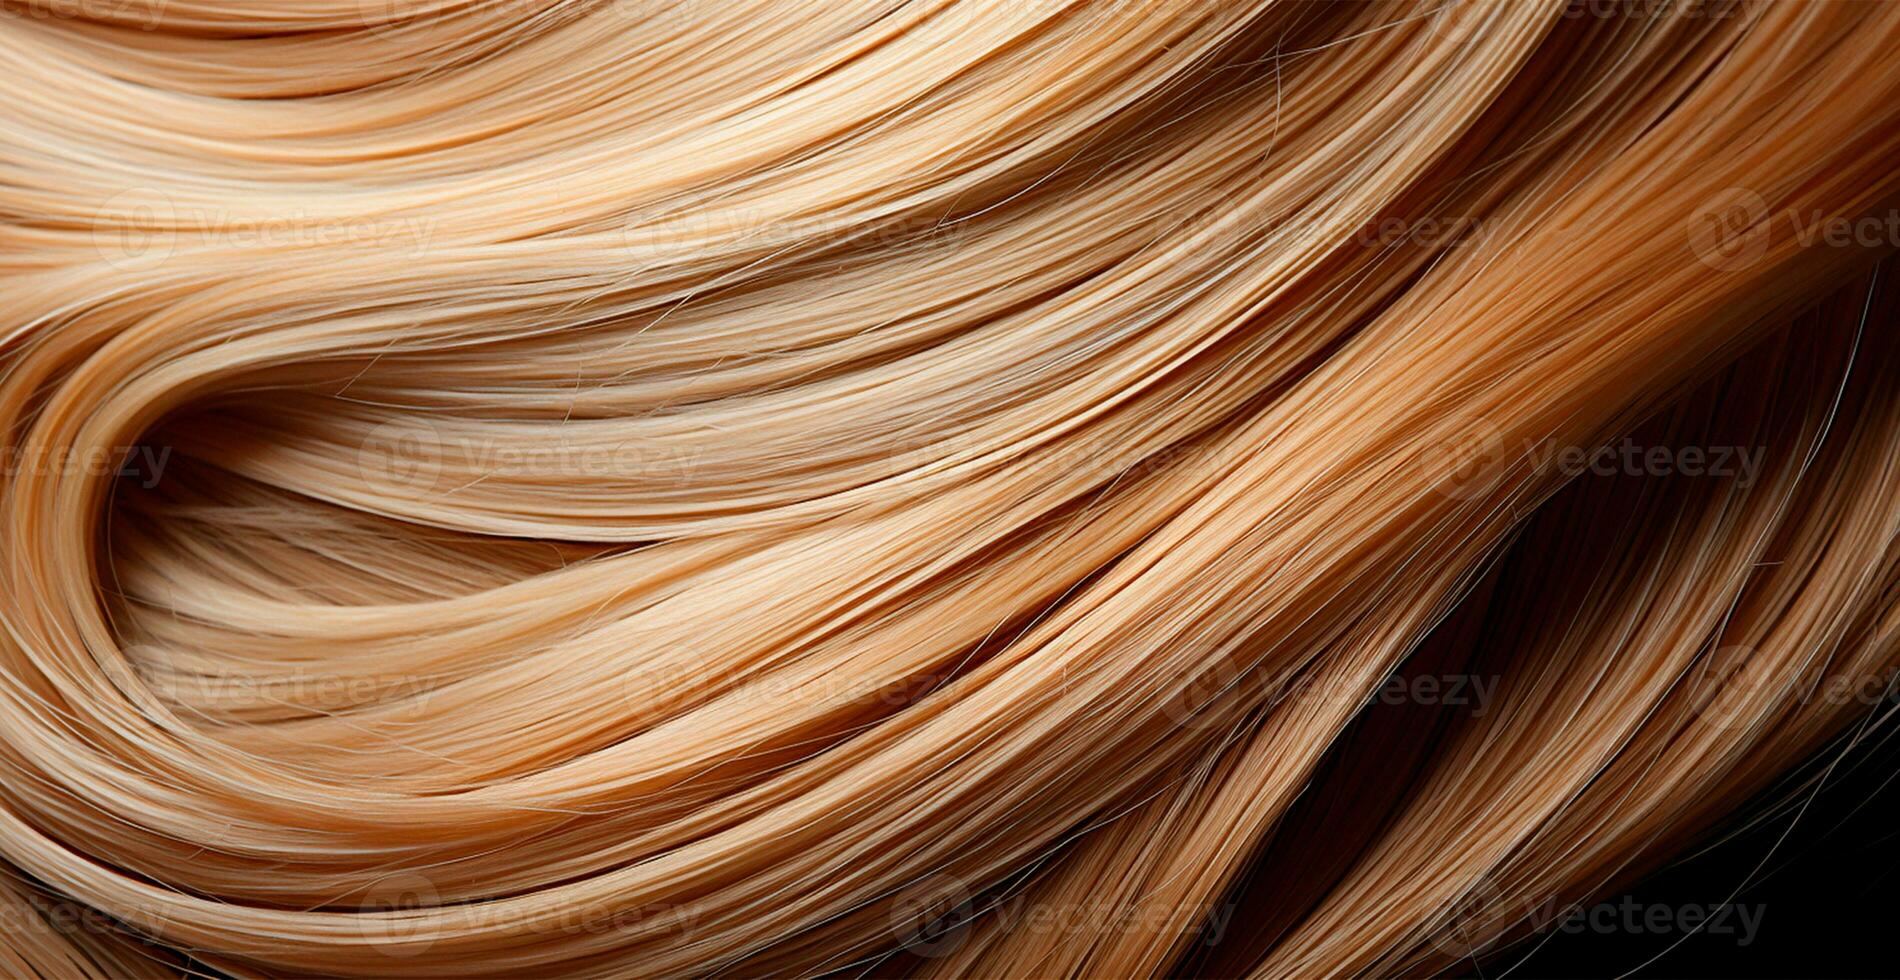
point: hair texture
(924, 487)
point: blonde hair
(658, 487)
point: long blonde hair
(927, 487)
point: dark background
(1825, 879)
